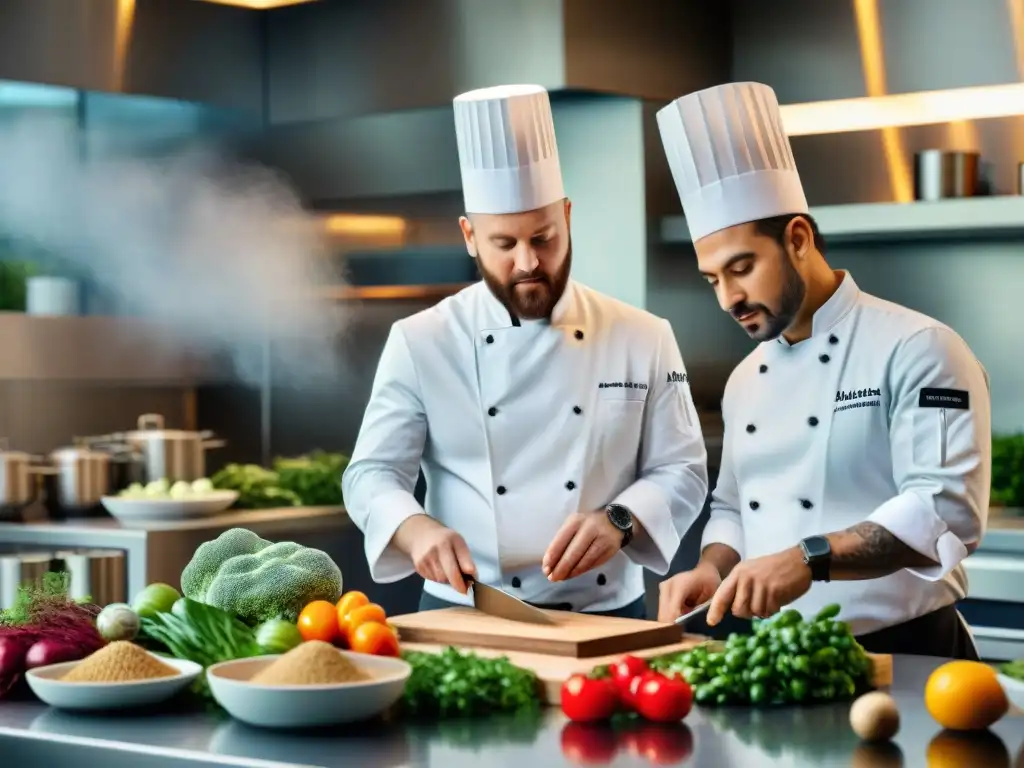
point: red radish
(46, 651)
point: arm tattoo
(867, 550)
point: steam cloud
(220, 253)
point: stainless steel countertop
(792, 737)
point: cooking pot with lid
(80, 478)
(171, 454)
(17, 481)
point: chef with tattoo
(857, 448)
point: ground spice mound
(311, 663)
(118, 662)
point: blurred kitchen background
(142, 273)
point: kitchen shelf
(976, 218)
(393, 292)
(97, 349)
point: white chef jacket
(883, 414)
(518, 426)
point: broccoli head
(257, 583)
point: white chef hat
(507, 150)
(730, 157)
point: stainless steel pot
(17, 481)
(941, 174)
(82, 477)
(174, 454)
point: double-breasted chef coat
(882, 415)
(519, 424)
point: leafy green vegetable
(52, 588)
(1008, 470)
(786, 660)
(315, 478)
(201, 633)
(258, 487)
(257, 580)
(1014, 669)
(460, 683)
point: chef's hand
(685, 591)
(438, 553)
(760, 587)
(586, 540)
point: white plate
(45, 683)
(130, 509)
(1014, 690)
(307, 706)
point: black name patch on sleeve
(931, 397)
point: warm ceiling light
(359, 224)
(903, 109)
(259, 5)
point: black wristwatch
(622, 519)
(818, 556)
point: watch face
(620, 517)
(817, 546)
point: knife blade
(498, 603)
(695, 612)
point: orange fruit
(965, 696)
(375, 638)
(361, 615)
(319, 621)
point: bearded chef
(857, 455)
(554, 425)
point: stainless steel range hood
(191, 51)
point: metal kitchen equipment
(497, 603)
(940, 174)
(17, 482)
(80, 478)
(97, 574)
(695, 612)
(171, 454)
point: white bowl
(45, 683)
(133, 509)
(1014, 690)
(307, 706)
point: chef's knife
(695, 612)
(497, 603)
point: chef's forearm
(869, 551)
(722, 557)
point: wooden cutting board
(552, 671)
(575, 635)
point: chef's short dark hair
(775, 228)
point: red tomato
(662, 699)
(664, 743)
(623, 673)
(588, 743)
(586, 699)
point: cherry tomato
(350, 600)
(624, 671)
(664, 743)
(588, 743)
(360, 615)
(319, 621)
(662, 699)
(374, 638)
(587, 699)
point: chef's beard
(790, 300)
(538, 300)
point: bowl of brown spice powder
(117, 676)
(313, 685)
